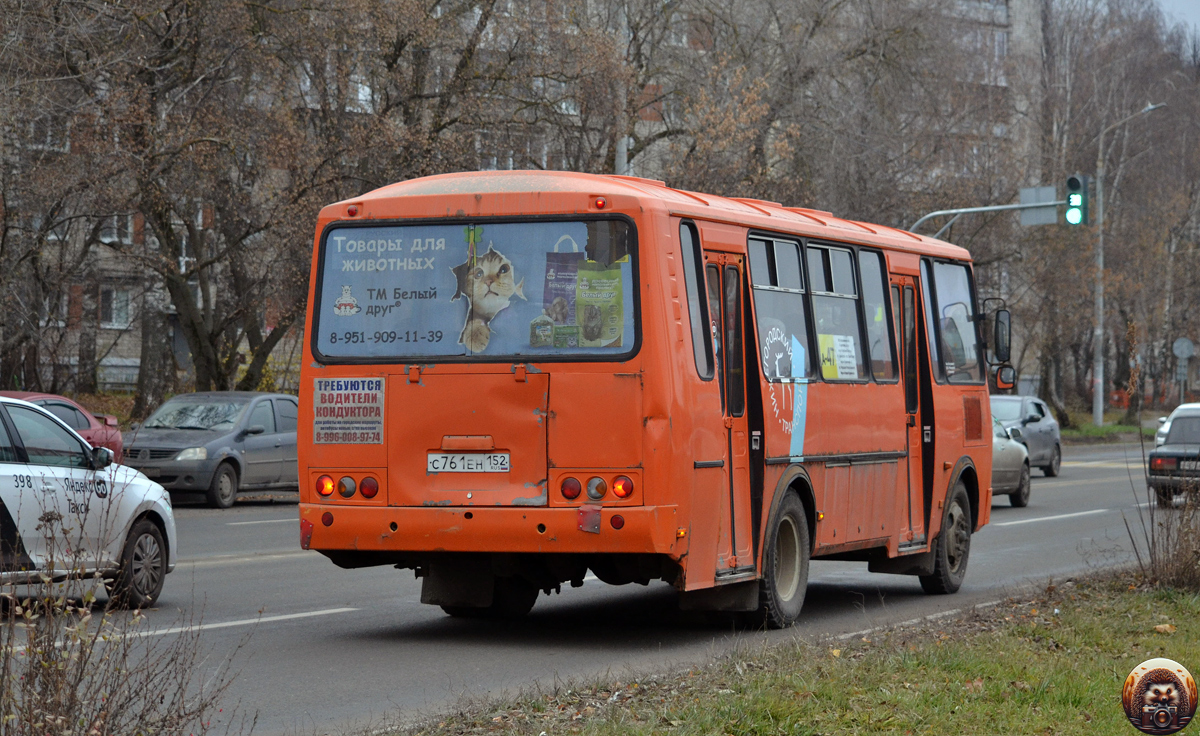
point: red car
(100, 430)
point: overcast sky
(1187, 11)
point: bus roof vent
(807, 211)
(638, 180)
(757, 204)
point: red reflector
(306, 530)
(622, 487)
(325, 485)
(617, 521)
(327, 519)
(369, 487)
(571, 489)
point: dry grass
(1050, 663)
(71, 666)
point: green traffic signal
(1077, 200)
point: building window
(114, 308)
(117, 229)
(54, 309)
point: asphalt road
(330, 648)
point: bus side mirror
(1003, 337)
(1006, 377)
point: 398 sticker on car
(472, 462)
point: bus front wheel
(953, 546)
(785, 565)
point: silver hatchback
(1040, 432)
(1010, 465)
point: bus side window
(733, 342)
(693, 265)
(778, 289)
(927, 291)
(910, 350)
(896, 314)
(835, 313)
(879, 335)
(713, 277)
(956, 323)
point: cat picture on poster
(488, 283)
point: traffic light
(1077, 200)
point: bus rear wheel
(953, 546)
(785, 565)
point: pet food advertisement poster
(505, 289)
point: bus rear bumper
(645, 529)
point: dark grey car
(1039, 429)
(217, 443)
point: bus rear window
(486, 290)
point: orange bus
(512, 378)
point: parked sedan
(1039, 429)
(1010, 465)
(218, 443)
(100, 430)
(1174, 466)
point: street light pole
(1098, 335)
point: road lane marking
(1051, 518)
(242, 622)
(264, 521)
(1130, 463)
(220, 625)
(1052, 484)
(217, 560)
(918, 620)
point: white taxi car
(67, 511)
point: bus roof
(769, 216)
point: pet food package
(566, 336)
(558, 298)
(599, 308)
(541, 332)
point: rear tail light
(325, 485)
(1163, 463)
(622, 487)
(571, 489)
(369, 487)
(346, 487)
(597, 488)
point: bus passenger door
(723, 274)
(904, 301)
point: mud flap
(731, 597)
(461, 580)
(918, 564)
